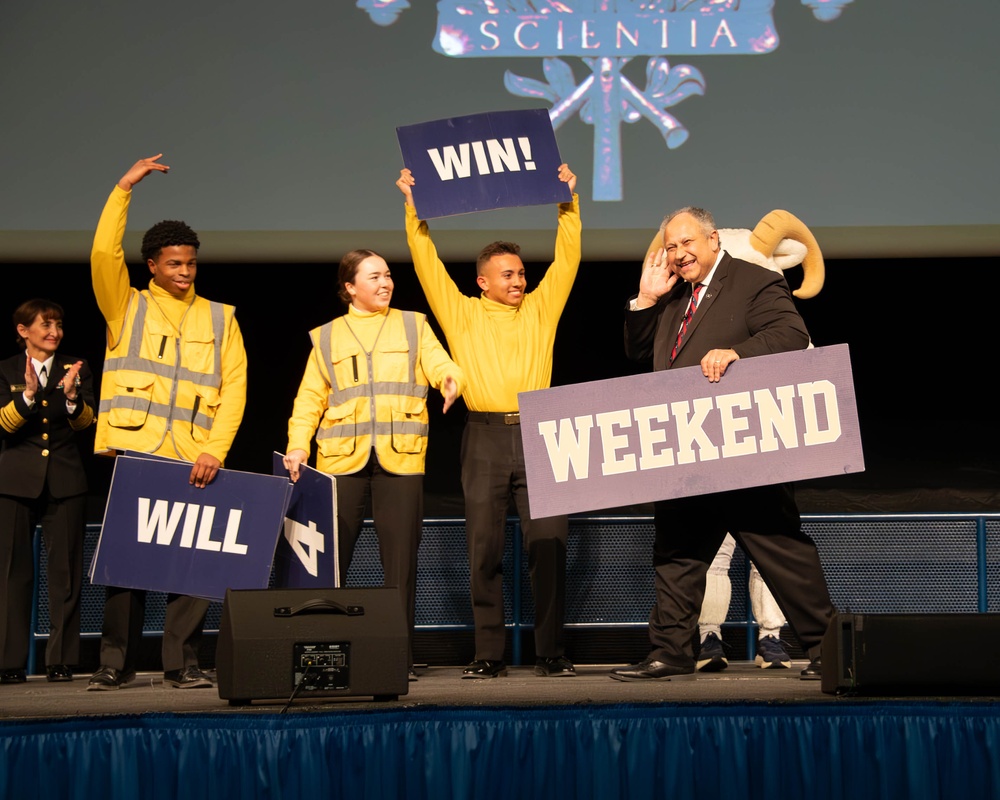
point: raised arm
(443, 295)
(642, 312)
(109, 273)
(557, 282)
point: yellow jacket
(174, 380)
(504, 350)
(364, 364)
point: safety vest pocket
(392, 359)
(409, 432)
(349, 366)
(206, 405)
(130, 405)
(198, 351)
(338, 433)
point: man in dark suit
(45, 400)
(698, 306)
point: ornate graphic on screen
(606, 35)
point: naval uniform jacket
(37, 444)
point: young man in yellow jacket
(174, 385)
(503, 340)
(364, 396)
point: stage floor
(742, 683)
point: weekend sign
(771, 419)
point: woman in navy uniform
(45, 400)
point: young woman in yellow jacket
(364, 398)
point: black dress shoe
(58, 673)
(555, 667)
(485, 668)
(650, 670)
(411, 675)
(187, 678)
(814, 671)
(108, 678)
(13, 676)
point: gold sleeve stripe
(84, 420)
(10, 420)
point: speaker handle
(319, 605)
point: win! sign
(481, 162)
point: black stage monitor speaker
(912, 654)
(314, 642)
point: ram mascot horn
(780, 241)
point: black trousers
(62, 522)
(765, 521)
(397, 503)
(124, 611)
(492, 474)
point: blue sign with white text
(482, 162)
(306, 556)
(163, 534)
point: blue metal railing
(875, 563)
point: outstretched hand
(140, 169)
(449, 390)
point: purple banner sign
(306, 556)
(771, 419)
(478, 163)
(163, 534)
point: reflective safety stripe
(163, 371)
(155, 409)
(365, 429)
(410, 326)
(325, 333)
(406, 389)
(381, 387)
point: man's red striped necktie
(692, 307)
